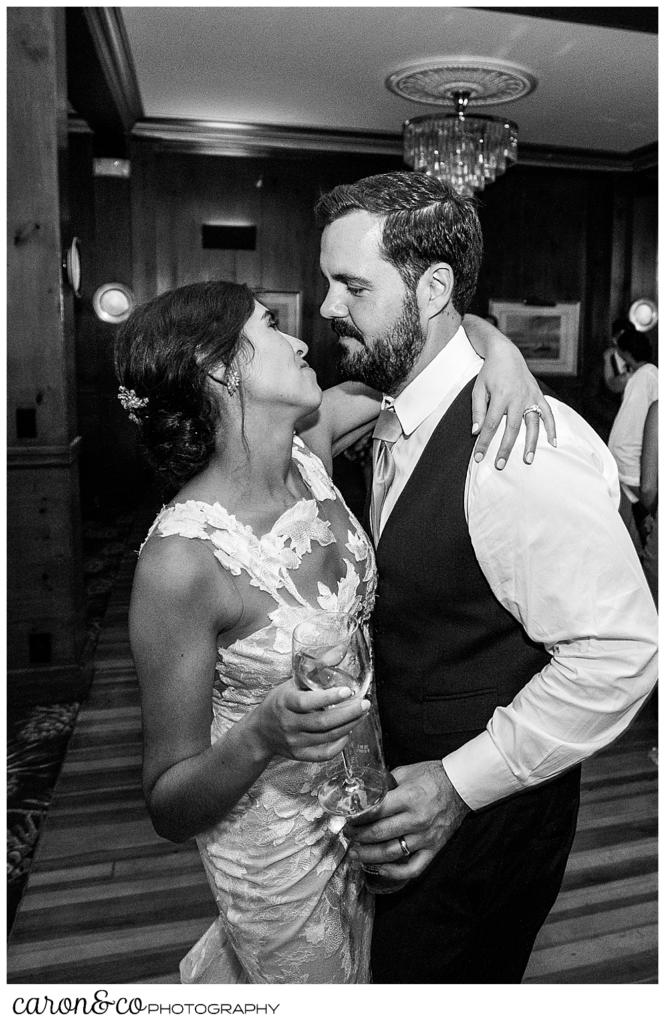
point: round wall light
(113, 302)
(643, 314)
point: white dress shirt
(625, 440)
(556, 554)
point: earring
(231, 382)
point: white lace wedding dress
(292, 908)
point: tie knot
(388, 427)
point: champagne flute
(330, 650)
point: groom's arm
(556, 554)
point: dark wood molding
(230, 138)
(645, 158)
(626, 19)
(40, 455)
(227, 138)
(114, 54)
(574, 159)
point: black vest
(447, 652)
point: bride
(255, 539)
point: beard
(387, 364)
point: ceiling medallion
(437, 80)
(465, 150)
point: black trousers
(474, 914)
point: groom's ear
(437, 285)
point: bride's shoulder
(180, 575)
(172, 559)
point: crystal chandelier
(465, 150)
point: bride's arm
(505, 387)
(181, 600)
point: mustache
(345, 329)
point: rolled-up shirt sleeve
(557, 556)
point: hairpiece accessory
(231, 382)
(131, 402)
(532, 408)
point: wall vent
(26, 423)
(40, 648)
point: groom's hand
(425, 810)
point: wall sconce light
(643, 314)
(71, 265)
(113, 302)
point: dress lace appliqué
(292, 907)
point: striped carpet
(108, 901)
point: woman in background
(256, 539)
(625, 440)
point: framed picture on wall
(547, 336)
(286, 307)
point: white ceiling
(325, 67)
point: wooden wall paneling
(554, 239)
(598, 284)
(596, 403)
(283, 254)
(644, 262)
(194, 190)
(143, 218)
(242, 183)
(45, 606)
(177, 258)
(82, 219)
(290, 246)
(501, 213)
(36, 298)
(644, 254)
(113, 262)
(621, 255)
(548, 236)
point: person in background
(615, 371)
(514, 631)
(625, 440)
(649, 498)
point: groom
(514, 631)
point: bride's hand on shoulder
(306, 725)
(505, 387)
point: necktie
(387, 431)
